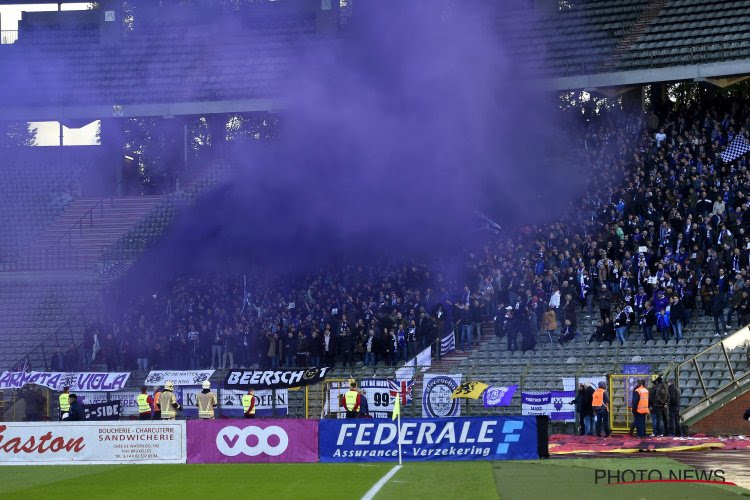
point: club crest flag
(469, 390)
(499, 396)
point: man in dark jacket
(75, 412)
(676, 313)
(659, 407)
(583, 401)
(588, 410)
(605, 302)
(578, 402)
(34, 403)
(648, 320)
(674, 409)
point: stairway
(455, 358)
(104, 223)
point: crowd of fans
(661, 236)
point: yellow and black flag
(469, 390)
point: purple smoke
(393, 134)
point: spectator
(648, 320)
(674, 409)
(316, 349)
(605, 302)
(371, 347)
(549, 322)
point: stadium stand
(32, 194)
(648, 176)
(34, 307)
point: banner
(273, 379)
(448, 344)
(557, 405)
(463, 438)
(378, 391)
(406, 372)
(469, 390)
(230, 402)
(436, 396)
(47, 443)
(499, 396)
(102, 411)
(127, 399)
(77, 381)
(635, 369)
(227, 441)
(187, 377)
(569, 383)
(424, 359)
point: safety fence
(273, 440)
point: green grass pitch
(550, 479)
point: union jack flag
(401, 389)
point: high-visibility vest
(143, 406)
(247, 401)
(167, 410)
(157, 396)
(643, 401)
(64, 402)
(597, 400)
(206, 404)
(351, 400)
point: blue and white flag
(447, 344)
(499, 396)
(736, 148)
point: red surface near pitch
(561, 444)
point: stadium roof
(600, 43)
(167, 70)
(87, 70)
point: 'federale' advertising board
(459, 438)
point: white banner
(185, 377)
(436, 396)
(44, 443)
(378, 392)
(424, 359)
(406, 372)
(77, 381)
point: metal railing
(8, 36)
(729, 358)
(63, 338)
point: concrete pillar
(632, 100)
(109, 178)
(110, 22)
(658, 95)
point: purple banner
(541, 398)
(560, 401)
(227, 441)
(499, 396)
(631, 369)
